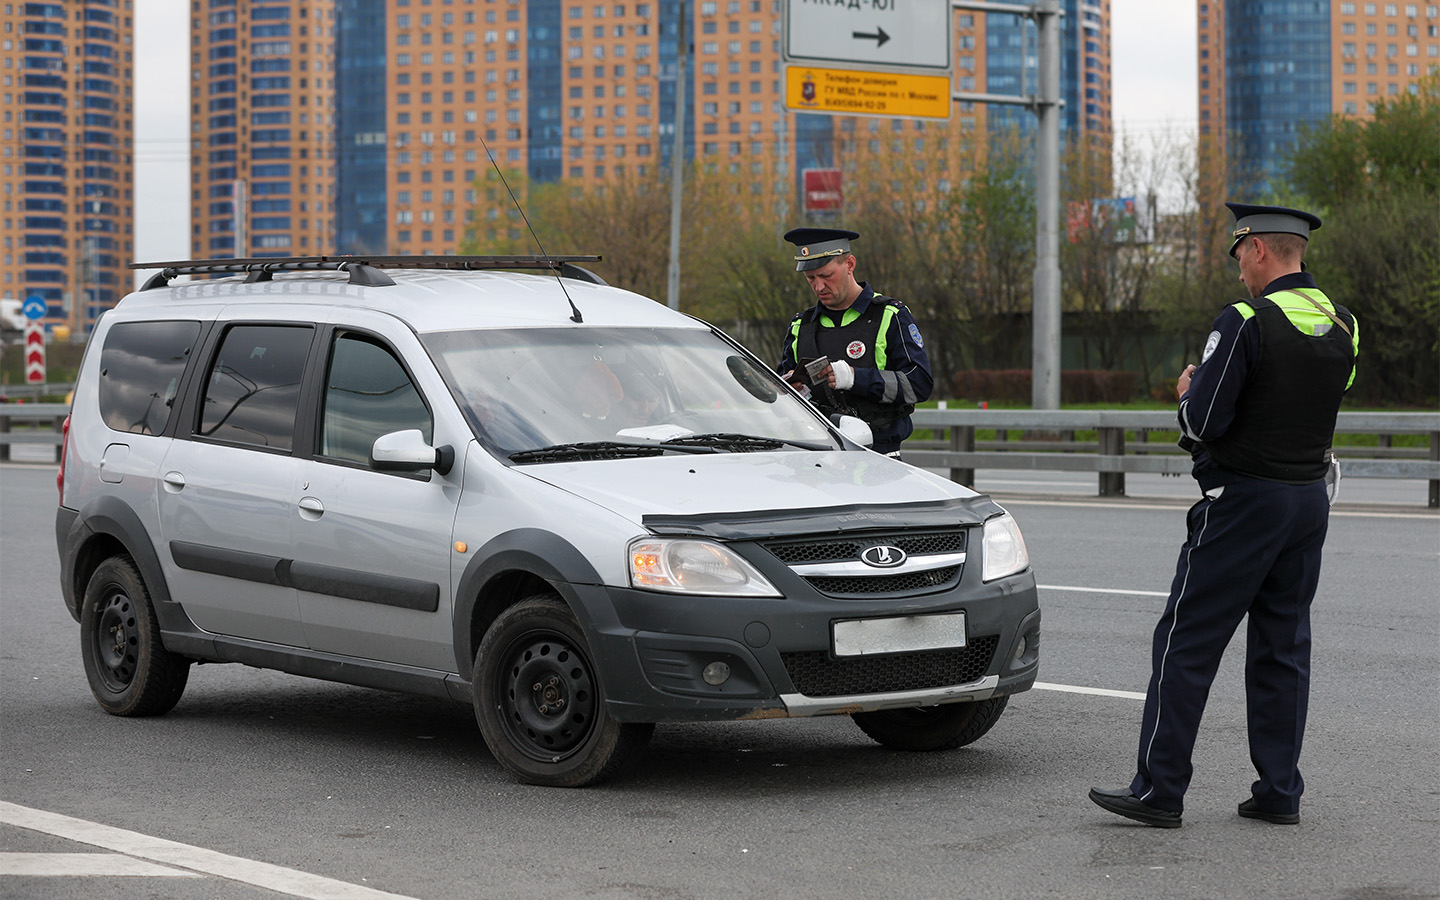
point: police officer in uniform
(878, 369)
(1258, 415)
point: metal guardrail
(31, 393)
(40, 425)
(1111, 456)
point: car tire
(540, 703)
(130, 671)
(932, 727)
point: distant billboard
(1122, 220)
(823, 190)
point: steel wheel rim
(117, 641)
(547, 696)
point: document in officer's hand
(813, 371)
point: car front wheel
(932, 727)
(539, 701)
(130, 671)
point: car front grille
(909, 583)
(818, 674)
(847, 549)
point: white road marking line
(1346, 514)
(1099, 692)
(290, 882)
(50, 865)
(1087, 590)
(1096, 504)
(1091, 504)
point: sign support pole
(1045, 365)
(1045, 328)
(677, 171)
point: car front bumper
(655, 649)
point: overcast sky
(1153, 61)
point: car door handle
(174, 482)
(311, 508)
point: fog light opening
(716, 674)
(1020, 647)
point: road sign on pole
(34, 307)
(894, 35)
(34, 351)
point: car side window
(367, 393)
(140, 371)
(253, 389)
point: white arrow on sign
(898, 35)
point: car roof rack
(363, 270)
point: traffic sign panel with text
(857, 93)
(893, 34)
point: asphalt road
(263, 785)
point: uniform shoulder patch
(915, 336)
(1211, 343)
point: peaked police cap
(817, 246)
(1251, 219)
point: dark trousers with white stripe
(1252, 549)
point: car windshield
(542, 394)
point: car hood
(721, 486)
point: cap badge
(804, 251)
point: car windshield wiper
(587, 450)
(740, 443)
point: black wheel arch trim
(537, 552)
(114, 518)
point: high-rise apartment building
(1009, 64)
(262, 137)
(350, 126)
(66, 163)
(1267, 70)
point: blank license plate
(899, 635)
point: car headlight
(688, 566)
(1004, 552)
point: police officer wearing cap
(878, 369)
(1258, 414)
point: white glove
(844, 375)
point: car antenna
(576, 317)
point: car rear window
(140, 371)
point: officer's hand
(1183, 383)
(842, 376)
(792, 381)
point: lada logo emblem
(882, 556)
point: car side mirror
(856, 430)
(406, 451)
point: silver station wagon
(502, 481)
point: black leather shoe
(1124, 803)
(1251, 809)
